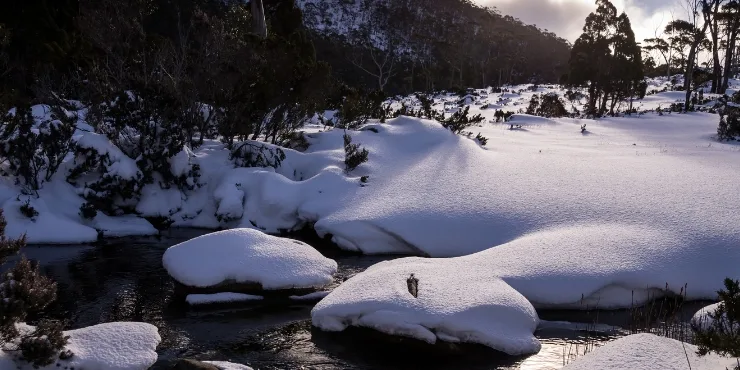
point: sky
(566, 17)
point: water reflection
(125, 281)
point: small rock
(187, 364)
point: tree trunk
(259, 25)
(728, 60)
(714, 31)
(689, 75)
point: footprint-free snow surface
(442, 300)
(248, 256)
(649, 352)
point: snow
(223, 365)
(454, 304)
(111, 346)
(703, 321)
(47, 227)
(649, 352)
(596, 265)
(248, 256)
(199, 299)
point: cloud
(566, 17)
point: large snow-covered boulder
(244, 260)
(111, 346)
(451, 304)
(649, 352)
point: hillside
(409, 45)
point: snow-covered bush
(28, 210)
(111, 181)
(461, 120)
(23, 290)
(358, 107)
(722, 333)
(34, 151)
(256, 154)
(354, 155)
(184, 170)
(729, 118)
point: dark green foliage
(549, 105)
(88, 211)
(108, 192)
(534, 105)
(160, 223)
(358, 107)
(354, 155)
(461, 120)
(607, 59)
(23, 290)
(481, 139)
(28, 210)
(729, 123)
(723, 335)
(255, 154)
(34, 156)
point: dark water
(125, 281)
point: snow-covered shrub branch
(256, 154)
(34, 151)
(354, 155)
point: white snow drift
(649, 352)
(248, 256)
(454, 304)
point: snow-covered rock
(247, 256)
(224, 365)
(111, 346)
(453, 304)
(649, 352)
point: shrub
(722, 335)
(88, 211)
(729, 121)
(461, 120)
(255, 154)
(482, 140)
(116, 180)
(358, 107)
(23, 290)
(28, 210)
(548, 105)
(160, 222)
(354, 155)
(34, 153)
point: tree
(259, 25)
(730, 17)
(698, 35)
(606, 58)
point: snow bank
(598, 265)
(248, 256)
(454, 304)
(45, 228)
(111, 346)
(649, 352)
(201, 299)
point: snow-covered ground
(649, 352)
(247, 256)
(111, 346)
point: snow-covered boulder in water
(247, 260)
(649, 352)
(443, 300)
(111, 346)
